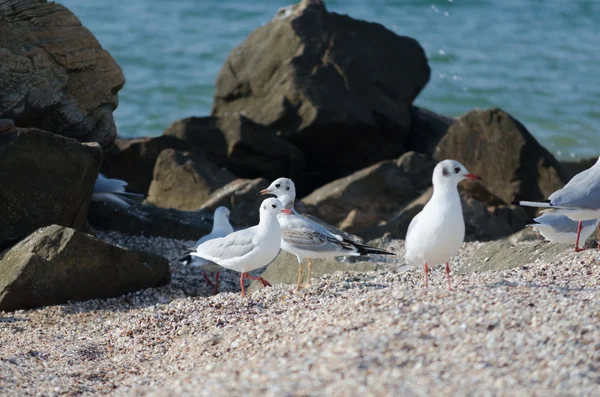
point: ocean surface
(537, 59)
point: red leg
(426, 276)
(216, 288)
(264, 282)
(598, 237)
(208, 279)
(242, 276)
(448, 277)
(579, 226)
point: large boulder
(55, 265)
(338, 88)
(184, 181)
(55, 75)
(497, 147)
(235, 142)
(427, 129)
(44, 179)
(363, 199)
(240, 196)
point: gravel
(532, 330)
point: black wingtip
(368, 250)
(184, 260)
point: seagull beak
(473, 176)
(287, 211)
(264, 191)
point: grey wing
(559, 223)
(309, 239)
(104, 185)
(582, 194)
(317, 226)
(235, 245)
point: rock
(284, 269)
(513, 165)
(45, 179)
(482, 221)
(363, 199)
(317, 76)
(6, 125)
(55, 75)
(148, 220)
(503, 255)
(184, 181)
(56, 264)
(240, 196)
(427, 129)
(240, 145)
(133, 160)
(527, 234)
(575, 167)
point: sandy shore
(534, 330)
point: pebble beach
(531, 330)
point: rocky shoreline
(324, 99)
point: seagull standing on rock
(221, 228)
(249, 249)
(579, 199)
(436, 233)
(307, 239)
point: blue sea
(537, 59)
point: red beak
(473, 176)
(287, 211)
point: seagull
(307, 239)
(437, 232)
(579, 199)
(113, 190)
(558, 228)
(221, 228)
(249, 249)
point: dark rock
(240, 196)
(185, 181)
(240, 145)
(54, 73)
(368, 196)
(575, 167)
(6, 125)
(55, 265)
(338, 88)
(148, 220)
(513, 165)
(46, 179)
(133, 160)
(427, 129)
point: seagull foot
(264, 282)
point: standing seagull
(113, 190)
(438, 231)
(249, 249)
(307, 239)
(221, 228)
(579, 199)
(558, 228)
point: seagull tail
(368, 250)
(186, 259)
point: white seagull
(579, 199)
(436, 233)
(221, 228)
(113, 190)
(558, 228)
(307, 239)
(249, 249)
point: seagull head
(221, 216)
(281, 187)
(451, 172)
(272, 206)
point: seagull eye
(278, 185)
(287, 188)
(457, 170)
(273, 206)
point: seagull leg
(579, 226)
(309, 273)
(598, 237)
(208, 280)
(448, 277)
(426, 276)
(299, 285)
(242, 277)
(261, 280)
(216, 288)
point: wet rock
(338, 88)
(185, 181)
(240, 196)
(45, 179)
(55, 75)
(363, 199)
(55, 265)
(513, 165)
